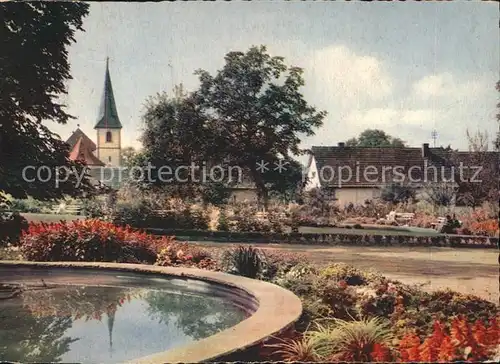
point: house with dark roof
(356, 174)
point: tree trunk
(262, 192)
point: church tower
(108, 126)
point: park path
(472, 271)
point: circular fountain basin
(116, 313)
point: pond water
(97, 317)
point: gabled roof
(77, 134)
(380, 163)
(81, 151)
(108, 114)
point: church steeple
(108, 126)
(108, 114)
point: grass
(51, 217)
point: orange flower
(447, 351)
(380, 353)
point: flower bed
(353, 315)
(98, 241)
(349, 314)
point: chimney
(341, 145)
(425, 150)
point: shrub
(137, 214)
(144, 213)
(352, 276)
(93, 208)
(89, 240)
(355, 341)
(338, 297)
(397, 193)
(183, 254)
(223, 222)
(11, 228)
(244, 261)
(243, 218)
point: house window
(109, 159)
(109, 137)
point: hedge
(443, 240)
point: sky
(406, 68)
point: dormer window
(109, 137)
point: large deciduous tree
(34, 70)
(375, 138)
(255, 111)
(497, 140)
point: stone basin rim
(277, 309)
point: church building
(107, 150)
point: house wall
(240, 195)
(109, 150)
(312, 175)
(355, 195)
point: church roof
(108, 115)
(77, 134)
(82, 151)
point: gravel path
(474, 271)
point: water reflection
(119, 323)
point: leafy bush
(215, 193)
(244, 261)
(279, 264)
(11, 228)
(351, 275)
(243, 217)
(365, 340)
(144, 213)
(93, 208)
(223, 222)
(397, 193)
(89, 240)
(137, 214)
(183, 254)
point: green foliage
(375, 138)
(184, 254)
(214, 193)
(11, 228)
(351, 275)
(137, 214)
(244, 261)
(440, 194)
(93, 208)
(397, 193)
(285, 185)
(34, 73)
(350, 340)
(143, 213)
(128, 157)
(223, 224)
(244, 219)
(255, 111)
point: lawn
(51, 217)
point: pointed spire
(111, 323)
(108, 114)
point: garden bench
(405, 216)
(440, 221)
